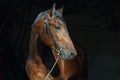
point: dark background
(93, 24)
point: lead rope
(53, 65)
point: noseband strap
(58, 49)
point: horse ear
(60, 10)
(53, 10)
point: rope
(58, 51)
(52, 66)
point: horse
(50, 39)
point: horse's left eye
(57, 27)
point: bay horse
(49, 36)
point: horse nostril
(72, 54)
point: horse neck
(62, 67)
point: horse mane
(39, 16)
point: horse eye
(57, 27)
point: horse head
(53, 33)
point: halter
(58, 48)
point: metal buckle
(59, 51)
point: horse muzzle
(68, 54)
